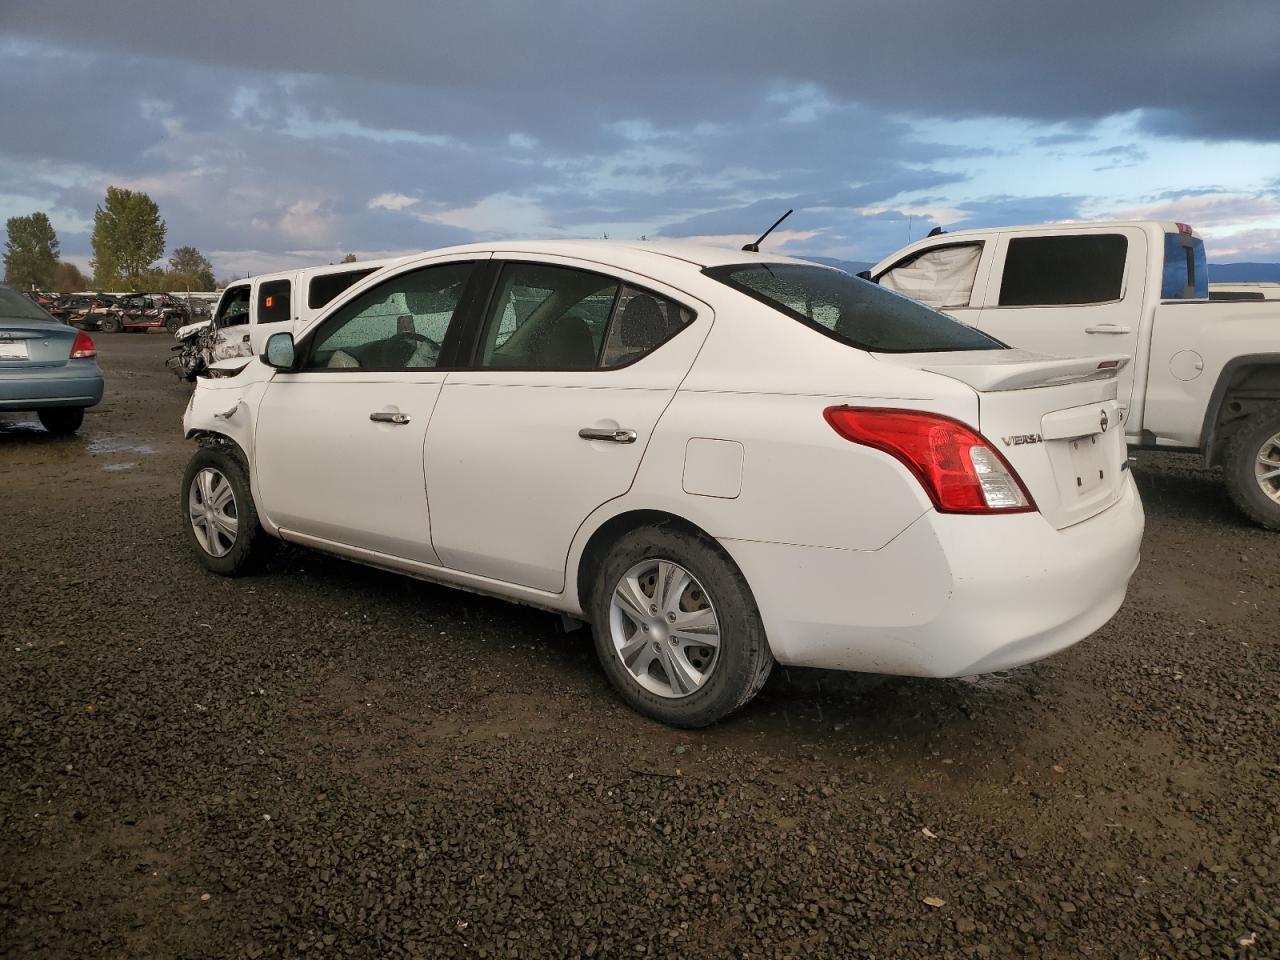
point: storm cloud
(274, 133)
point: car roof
(620, 252)
(1167, 226)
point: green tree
(67, 278)
(128, 237)
(349, 258)
(30, 252)
(189, 269)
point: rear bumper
(77, 384)
(951, 596)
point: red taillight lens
(83, 348)
(958, 469)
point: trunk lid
(33, 343)
(1056, 421)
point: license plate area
(13, 350)
(1088, 460)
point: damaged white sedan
(719, 459)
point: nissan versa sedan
(719, 459)
(45, 365)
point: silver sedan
(45, 365)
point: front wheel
(61, 421)
(110, 324)
(219, 518)
(677, 629)
(1252, 464)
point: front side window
(1063, 270)
(274, 304)
(939, 277)
(400, 324)
(854, 311)
(233, 309)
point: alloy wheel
(1266, 468)
(211, 505)
(664, 628)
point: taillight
(958, 469)
(83, 348)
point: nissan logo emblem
(1104, 421)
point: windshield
(851, 310)
(14, 306)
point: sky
(281, 132)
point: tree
(349, 258)
(189, 269)
(67, 278)
(128, 236)
(31, 252)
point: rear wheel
(677, 629)
(219, 518)
(110, 324)
(173, 325)
(62, 421)
(1252, 463)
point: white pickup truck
(1205, 375)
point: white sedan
(719, 459)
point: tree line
(128, 240)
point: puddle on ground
(116, 467)
(110, 444)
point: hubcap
(211, 505)
(664, 628)
(1267, 468)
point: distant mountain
(1244, 273)
(848, 266)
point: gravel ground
(338, 762)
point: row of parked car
(114, 313)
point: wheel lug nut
(653, 608)
(671, 617)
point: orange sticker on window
(268, 302)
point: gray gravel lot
(331, 761)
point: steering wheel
(417, 338)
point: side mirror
(280, 353)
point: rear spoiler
(1027, 371)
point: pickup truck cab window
(324, 288)
(1064, 269)
(274, 301)
(940, 277)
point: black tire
(173, 325)
(1240, 461)
(61, 421)
(110, 324)
(744, 659)
(252, 545)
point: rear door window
(1063, 270)
(851, 310)
(274, 298)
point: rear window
(851, 310)
(14, 306)
(324, 288)
(1186, 273)
(1063, 270)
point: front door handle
(1108, 328)
(612, 436)
(382, 416)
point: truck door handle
(382, 416)
(1108, 328)
(611, 436)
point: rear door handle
(611, 436)
(1108, 328)
(382, 416)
